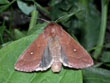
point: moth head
(51, 29)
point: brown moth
(52, 48)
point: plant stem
(11, 20)
(102, 29)
(1, 38)
(33, 19)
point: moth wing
(36, 57)
(72, 53)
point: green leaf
(82, 24)
(9, 55)
(105, 56)
(54, 2)
(96, 75)
(107, 45)
(67, 16)
(4, 1)
(18, 34)
(34, 18)
(42, 8)
(37, 27)
(91, 27)
(25, 8)
(5, 6)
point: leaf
(91, 27)
(4, 1)
(37, 27)
(105, 56)
(107, 45)
(96, 75)
(6, 6)
(54, 2)
(33, 20)
(24, 7)
(82, 24)
(42, 8)
(18, 34)
(9, 55)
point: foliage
(80, 18)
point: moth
(53, 48)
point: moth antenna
(44, 20)
(67, 16)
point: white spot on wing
(32, 53)
(74, 50)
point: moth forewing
(52, 48)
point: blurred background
(88, 21)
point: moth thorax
(53, 30)
(56, 66)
